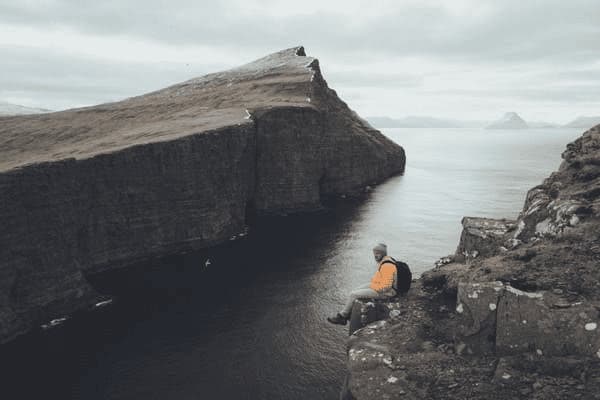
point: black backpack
(403, 275)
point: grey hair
(380, 248)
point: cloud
(486, 29)
(367, 79)
(57, 79)
(526, 51)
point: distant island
(583, 122)
(7, 109)
(510, 120)
(413, 121)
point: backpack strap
(390, 260)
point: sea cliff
(514, 313)
(176, 170)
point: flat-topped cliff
(172, 171)
(514, 313)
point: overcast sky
(469, 59)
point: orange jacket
(384, 276)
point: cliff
(179, 169)
(514, 313)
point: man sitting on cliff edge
(381, 287)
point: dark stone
(477, 308)
(366, 311)
(483, 237)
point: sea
(247, 320)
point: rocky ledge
(172, 171)
(515, 313)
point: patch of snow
(574, 220)
(103, 303)
(531, 295)
(392, 379)
(543, 227)
(54, 322)
(492, 306)
(590, 326)
(520, 228)
(378, 324)
(531, 211)
(513, 243)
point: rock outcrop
(515, 313)
(179, 169)
(366, 311)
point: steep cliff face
(515, 313)
(175, 170)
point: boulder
(477, 305)
(543, 323)
(483, 237)
(365, 312)
(498, 318)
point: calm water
(252, 324)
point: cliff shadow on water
(205, 320)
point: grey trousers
(362, 292)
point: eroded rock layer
(171, 171)
(515, 313)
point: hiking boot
(339, 319)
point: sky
(464, 59)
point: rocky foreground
(515, 313)
(91, 189)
